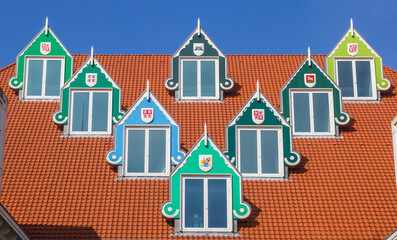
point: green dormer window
(43, 66)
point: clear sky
(236, 27)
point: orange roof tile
(61, 188)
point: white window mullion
(311, 112)
(259, 151)
(146, 170)
(43, 81)
(198, 78)
(354, 78)
(90, 106)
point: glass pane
(269, 151)
(301, 112)
(35, 77)
(189, 79)
(136, 151)
(321, 112)
(208, 78)
(363, 74)
(345, 78)
(53, 78)
(100, 112)
(248, 151)
(217, 203)
(194, 203)
(80, 111)
(157, 151)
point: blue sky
(236, 27)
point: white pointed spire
(257, 91)
(198, 26)
(147, 90)
(309, 56)
(351, 26)
(46, 26)
(205, 134)
(92, 55)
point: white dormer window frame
(198, 60)
(90, 112)
(146, 150)
(258, 140)
(355, 96)
(42, 95)
(312, 131)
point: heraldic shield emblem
(352, 48)
(258, 116)
(45, 48)
(147, 115)
(198, 49)
(205, 162)
(310, 80)
(91, 79)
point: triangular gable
(190, 166)
(364, 50)
(322, 81)
(210, 50)
(79, 81)
(161, 117)
(272, 117)
(33, 49)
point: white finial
(309, 56)
(198, 26)
(351, 26)
(92, 55)
(147, 90)
(257, 91)
(205, 134)
(46, 26)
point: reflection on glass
(80, 111)
(217, 203)
(157, 151)
(301, 112)
(100, 112)
(363, 75)
(321, 112)
(189, 78)
(269, 149)
(208, 78)
(53, 78)
(35, 77)
(345, 78)
(194, 203)
(136, 151)
(248, 151)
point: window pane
(136, 151)
(100, 112)
(217, 203)
(363, 71)
(189, 78)
(248, 151)
(208, 78)
(269, 151)
(80, 111)
(321, 112)
(53, 78)
(35, 77)
(301, 112)
(157, 151)
(194, 203)
(345, 78)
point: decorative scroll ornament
(45, 48)
(147, 115)
(205, 162)
(310, 80)
(352, 48)
(198, 49)
(258, 116)
(91, 79)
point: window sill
(316, 136)
(143, 178)
(226, 234)
(87, 135)
(266, 178)
(39, 100)
(198, 100)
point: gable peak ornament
(310, 80)
(45, 48)
(91, 79)
(147, 115)
(352, 48)
(205, 162)
(258, 116)
(198, 49)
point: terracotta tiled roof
(58, 187)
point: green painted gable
(323, 82)
(272, 118)
(190, 166)
(33, 50)
(78, 81)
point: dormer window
(198, 70)
(42, 68)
